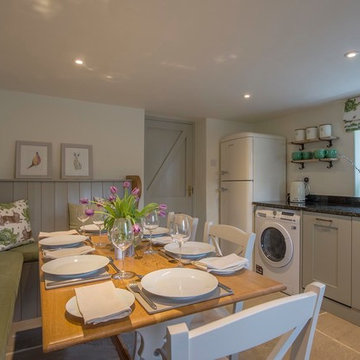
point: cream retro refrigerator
(252, 168)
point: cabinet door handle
(223, 172)
(326, 220)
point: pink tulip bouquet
(126, 207)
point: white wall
(215, 130)
(116, 133)
(338, 180)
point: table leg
(153, 337)
(122, 352)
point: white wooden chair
(193, 222)
(294, 318)
(222, 234)
(219, 235)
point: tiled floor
(335, 339)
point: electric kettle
(298, 191)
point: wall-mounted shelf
(303, 162)
(329, 139)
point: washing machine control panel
(278, 215)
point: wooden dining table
(61, 330)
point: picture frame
(33, 160)
(76, 161)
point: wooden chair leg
(121, 350)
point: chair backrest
(294, 318)
(218, 234)
(193, 222)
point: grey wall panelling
(61, 206)
(6, 191)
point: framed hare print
(76, 161)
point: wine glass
(150, 222)
(122, 236)
(98, 221)
(82, 216)
(179, 230)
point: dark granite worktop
(337, 205)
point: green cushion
(30, 252)
(10, 274)
(10, 271)
(7, 301)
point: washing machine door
(275, 245)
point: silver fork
(135, 288)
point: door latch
(190, 190)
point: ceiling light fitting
(247, 96)
(79, 62)
(351, 54)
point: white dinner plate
(91, 228)
(179, 283)
(75, 265)
(126, 297)
(62, 240)
(156, 232)
(162, 240)
(190, 249)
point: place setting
(62, 244)
(100, 303)
(171, 288)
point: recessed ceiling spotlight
(109, 77)
(79, 62)
(351, 54)
(247, 96)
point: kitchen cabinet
(355, 263)
(327, 254)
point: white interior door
(168, 166)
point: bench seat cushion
(30, 252)
(10, 274)
(10, 271)
(7, 302)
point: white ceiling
(184, 58)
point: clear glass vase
(122, 237)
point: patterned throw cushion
(15, 229)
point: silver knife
(226, 288)
(71, 281)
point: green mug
(306, 155)
(297, 155)
(331, 153)
(319, 153)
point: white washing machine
(277, 246)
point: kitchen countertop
(337, 205)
